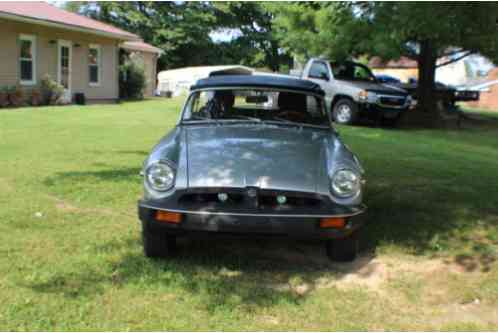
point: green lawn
(71, 256)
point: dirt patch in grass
(475, 312)
(5, 185)
(66, 207)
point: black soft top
(262, 81)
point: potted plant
(16, 96)
(4, 97)
(36, 97)
(11, 95)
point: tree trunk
(426, 80)
(426, 114)
(273, 56)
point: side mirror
(324, 76)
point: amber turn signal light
(333, 222)
(169, 217)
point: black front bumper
(254, 225)
(373, 111)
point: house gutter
(143, 49)
(52, 24)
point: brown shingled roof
(141, 46)
(46, 13)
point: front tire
(343, 250)
(345, 112)
(157, 244)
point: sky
(225, 35)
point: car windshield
(352, 71)
(256, 105)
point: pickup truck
(352, 92)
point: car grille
(244, 199)
(393, 101)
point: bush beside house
(132, 81)
(50, 93)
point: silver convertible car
(255, 156)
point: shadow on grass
(229, 273)
(419, 214)
(84, 283)
(112, 175)
(120, 152)
(223, 273)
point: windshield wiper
(242, 117)
(285, 120)
(293, 123)
(194, 118)
(282, 121)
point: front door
(64, 68)
(321, 74)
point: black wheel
(157, 244)
(345, 112)
(343, 250)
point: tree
(183, 30)
(180, 29)
(424, 31)
(259, 45)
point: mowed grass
(71, 255)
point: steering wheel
(292, 116)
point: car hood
(265, 156)
(378, 88)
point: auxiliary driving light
(222, 197)
(281, 199)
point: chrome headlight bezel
(168, 173)
(346, 175)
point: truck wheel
(157, 244)
(345, 112)
(343, 250)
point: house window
(27, 59)
(94, 65)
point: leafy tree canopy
(424, 31)
(388, 29)
(183, 29)
(257, 37)
(180, 29)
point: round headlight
(160, 176)
(346, 183)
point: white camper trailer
(178, 81)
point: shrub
(4, 97)
(131, 81)
(51, 91)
